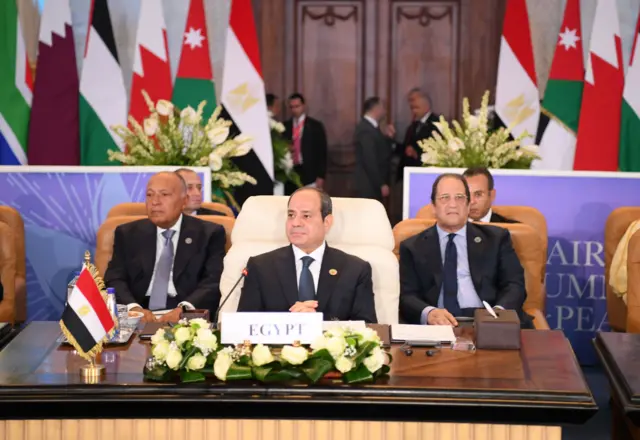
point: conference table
(620, 356)
(486, 394)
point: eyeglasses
(459, 198)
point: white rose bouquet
(190, 352)
(282, 159)
(169, 136)
(472, 143)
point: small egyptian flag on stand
(86, 320)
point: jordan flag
(599, 126)
(151, 71)
(15, 88)
(630, 125)
(86, 320)
(194, 82)
(53, 129)
(103, 98)
(517, 97)
(244, 100)
(561, 104)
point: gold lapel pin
(333, 272)
(188, 240)
(477, 239)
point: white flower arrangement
(473, 144)
(282, 159)
(190, 351)
(171, 137)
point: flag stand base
(92, 373)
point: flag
(151, 70)
(53, 129)
(194, 82)
(630, 121)
(517, 97)
(103, 98)
(244, 101)
(86, 320)
(599, 127)
(15, 88)
(561, 104)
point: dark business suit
(496, 272)
(313, 146)
(272, 285)
(417, 131)
(373, 154)
(497, 218)
(206, 211)
(197, 266)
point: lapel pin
(477, 239)
(333, 272)
(188, 240)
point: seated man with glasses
(447, 270)
(483, 194)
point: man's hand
(409, 151)
(304, 307)
(441, 317)
(172, 316)
(385, 190)
(319, 183)
(147, 315)
(390, 131)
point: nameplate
(270, 328)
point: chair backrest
(633, 284)
(8, 257)
(132, 208)
(523, 214)
(361, 228)
(526, 243)
(104, 239)
(12, 218)
(617, 224)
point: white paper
(270, 327)
(422, 333)
(353, 325)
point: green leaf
(358, 375)
(191, 376)
(239, 372)
(316, 368)
(321, 354)
(186, 356)
(273, 372)
(260, 373)
(363, 351)
(158, 374)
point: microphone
(245, 272)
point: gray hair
(422, 93)
(326, 205)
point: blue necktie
(450, 279)
(160, 288)
(306, 288)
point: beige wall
(545, 17)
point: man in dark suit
(483, 194)
(194, 193)
(169, 260)
(449, 269)
(308, 145)
(373, 152)
(308, 275)
(421, 128)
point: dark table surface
(620, 356)
(540, 384)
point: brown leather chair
(523, 214)
(528, 247)
(8, 259)
(13, 220)
(104, 239)
(633, 284)
(617, 224)
(131, 208)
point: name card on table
(270, 328)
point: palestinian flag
(86, 320)
(103, 98)
(630, 125)
(194, 82)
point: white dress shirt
(314, 267)
(371, 120)
(425, 117)
(171, 290)
(486, 218)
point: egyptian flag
(243, 98)
(630, 123)
(86, 320)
